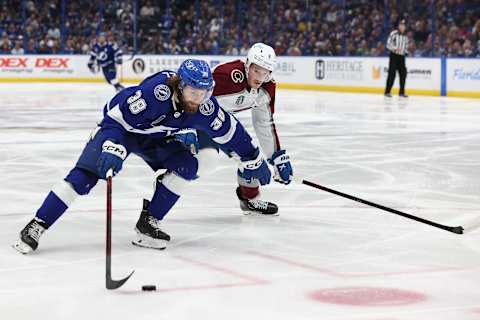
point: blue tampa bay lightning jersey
(106, 54)
(151, 109)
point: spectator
(231, 50)
(5, 48)
(31, 47)
(18, 49)
(5, 41)
(244, 49)
(353, 27)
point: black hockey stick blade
(115, 284)
(457, 230)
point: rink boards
(426, 76)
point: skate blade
(22, 247)
(149, 242)
(257, 213)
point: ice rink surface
(324, 257)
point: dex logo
(320, 69)
(13, 62)
(51, 62)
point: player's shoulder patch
(162, 92)
(207, 108)
(237, 76)
(228, 68)
(229, 78)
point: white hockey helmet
(262, 55)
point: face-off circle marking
(367, 296)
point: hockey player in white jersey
(249, 87)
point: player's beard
(188, 106)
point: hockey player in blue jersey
(106, 55)
(143, 120)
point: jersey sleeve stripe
(275, 136)
(116, 114)
(230, 133)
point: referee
(397, 44)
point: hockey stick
(109, 282)
(123, 62)
(457, 230)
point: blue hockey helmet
(196, 74)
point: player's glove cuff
(115, 149)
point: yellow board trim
(464, 94)
(298, 86)
(294, 86)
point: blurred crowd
(293, 27)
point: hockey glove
(112, 157)
(91, 66)
(283, 168)
(255, 169)
(189, 138)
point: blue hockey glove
(189, 138)
(283, 168)
(256, 169)
(112, 157)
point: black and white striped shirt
(397, 43)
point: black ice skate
(256, 206)
(30, 235)
(149, 234)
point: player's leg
(110, 73)
(402, 70)
(248, 193)
(181, 168)
(81, 179)
(78, 182)
(392, 67)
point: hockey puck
(149, 287)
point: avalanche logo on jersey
(162, 92)
(207, 108)
(237, 76)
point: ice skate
(30, 236)
(257, 206)
(149, 234)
